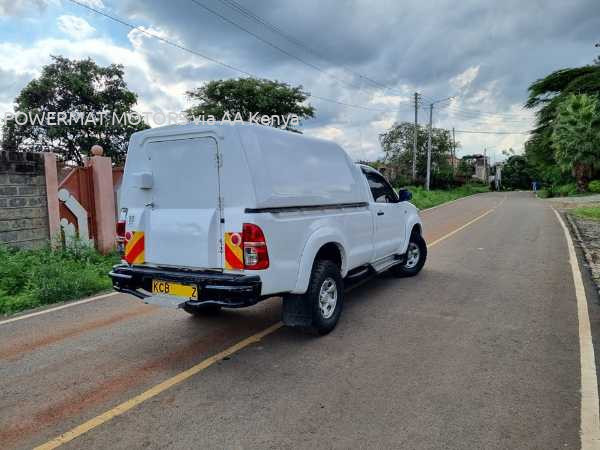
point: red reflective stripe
(134, 252)
(232, 259)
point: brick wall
(23, 203)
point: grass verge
(587, 212)
(428, 199)
(30, 278)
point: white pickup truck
(227, 215)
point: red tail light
(121, 226)
(254, 244)
(121, 229)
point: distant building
(482, 166)
(453, 161)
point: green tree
(516, 173)
(576, 137)
(397, 145)
(248, 96)
(74, 87)
(545, 95)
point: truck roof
(280, 168)
(221, 129)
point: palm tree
(576, 137)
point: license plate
(176, 289)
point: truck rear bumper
(217, 288)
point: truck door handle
(380, 213)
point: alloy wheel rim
(328, 295)
(413, 254)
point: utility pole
(485, 178)
(428, 180)
(453, 151)
(414, 155)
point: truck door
(184, 227)
(388, 215)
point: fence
(35, 207)
(23, 200)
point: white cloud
(463, 80)
(21, 7)
(329, 132)
(391, 100)
(75, 27)
(97, 4)
(138, 36)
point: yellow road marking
(590, 416)
(154, 391)
(470, 222)
(169, 383)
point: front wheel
(416, 254)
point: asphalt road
(480, 350)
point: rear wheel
(318, 310)
(325, 296)
(201, 310)
(416, 254)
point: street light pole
(430, 131)
(414, 155)
(428, 179)
(453, 152)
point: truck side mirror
(404, 195)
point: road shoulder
(591, 288)
(589, 415)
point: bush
(427, 199)
(565, 190)
(544, 193)
(594, 186)
(30, 278)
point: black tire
(324, 271)
(201, 310)
(409, 268)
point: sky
(362, 60)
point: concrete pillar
(51, 176)
(104, 199)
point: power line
(216, 61)
(274, 28)
(270, 44)
(475, 112)
(484, 122)
(250, 74)
(477, 116)
(492, 132)
(367, 108)
(471, 115)
(160, 38)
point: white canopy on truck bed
(290, 169)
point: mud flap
(296, 311)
